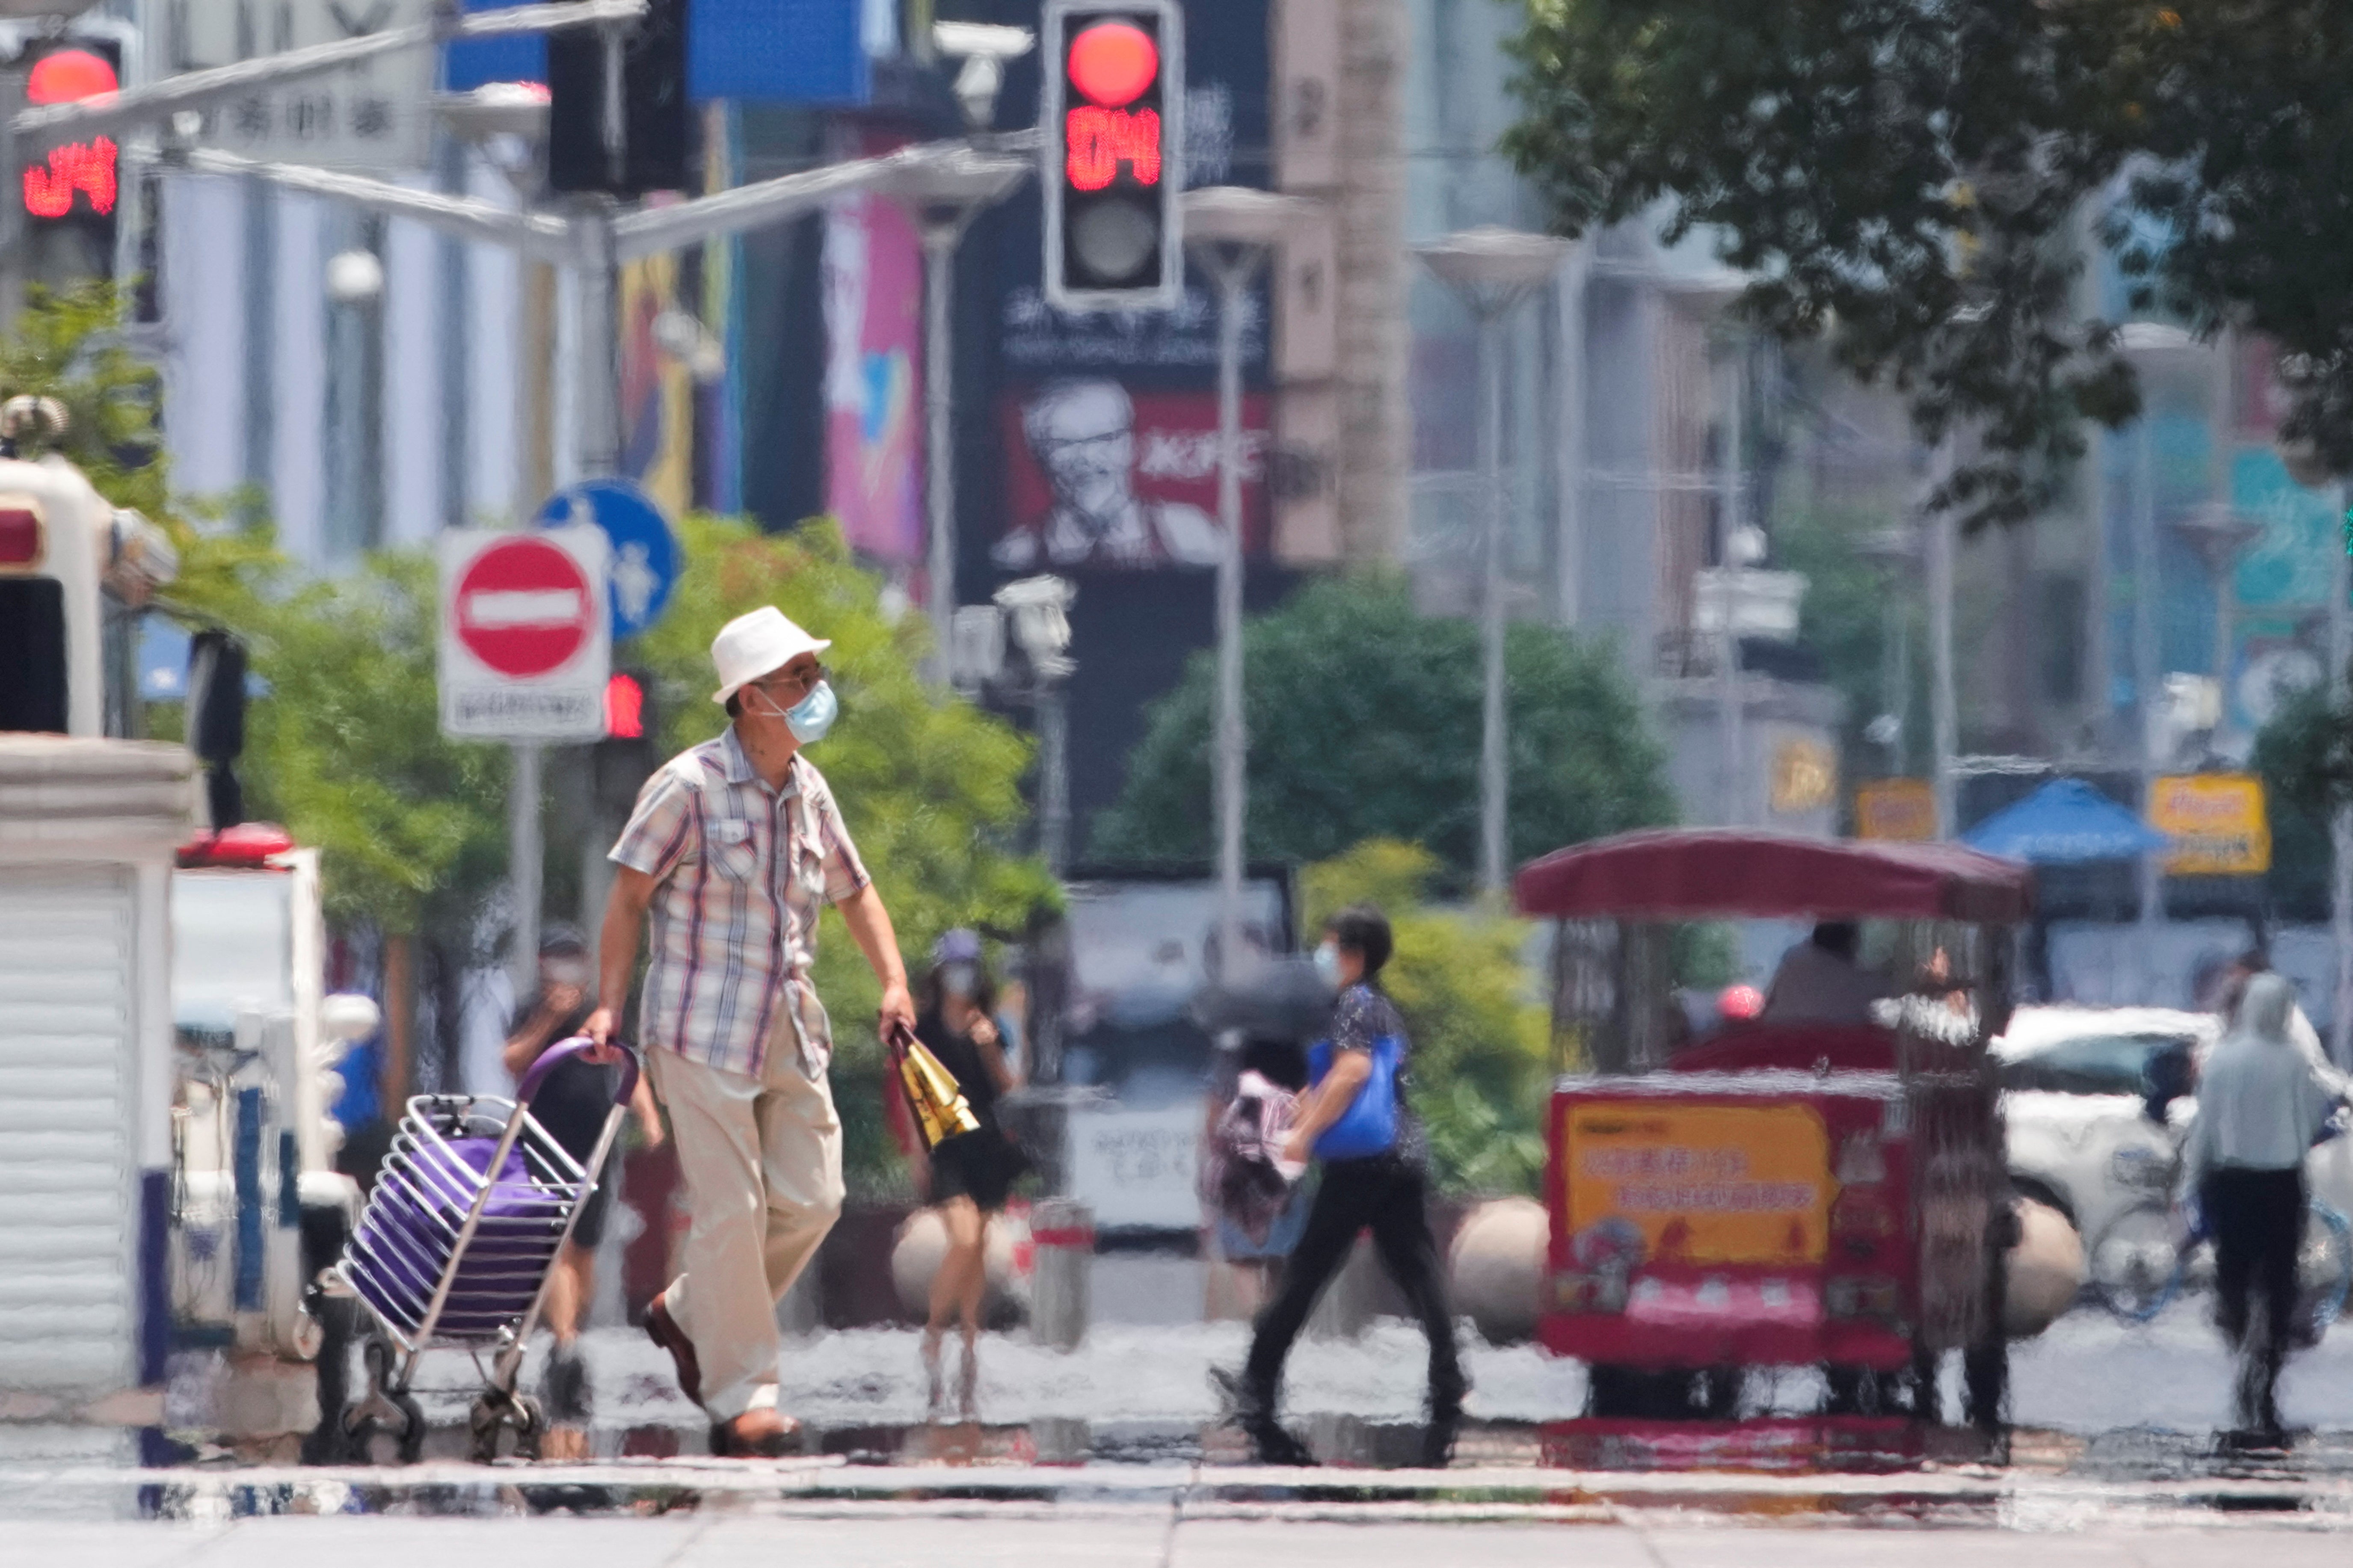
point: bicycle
(2139, 1266)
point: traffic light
(67, 194)
(629, 752)
(654, 122)
(1114, 154)
(216, 721)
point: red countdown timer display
(77, 169)
(1111, 65)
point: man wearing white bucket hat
(735, 847)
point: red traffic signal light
(68, 72)
(625, 706)
(1113, 63)
(1114, 115)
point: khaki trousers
(761, 1163)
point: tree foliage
(1902, 176)
(2244, 198)
(1364, 722)
(1481, 1061)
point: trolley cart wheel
(494, 1411)
(383, 1410)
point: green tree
(67, 344)
(2305, 756)
(2242, 206)
(1903, 176)
(1364, 721)
(1481, 1058)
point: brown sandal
(663, 1330)
(757, 1435)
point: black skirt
(982, 1165)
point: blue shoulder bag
(1369, 1125)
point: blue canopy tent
(2077, 833)
(2065, 823)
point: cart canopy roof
(1694, 873)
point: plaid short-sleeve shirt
(742, 871)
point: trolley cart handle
(539, 1070)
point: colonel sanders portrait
(1083, 435)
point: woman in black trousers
(1384, 1192)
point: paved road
(1126, 1538)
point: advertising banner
(1098, 476)
(1902, 809)
(2217, 822)
(1701, 1183)
(873, 268)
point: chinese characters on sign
(373, 117)
(2217, 823)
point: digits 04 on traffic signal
(1115, 124)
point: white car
(2075, 1084)
(2077, 1104)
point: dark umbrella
(1279, 999)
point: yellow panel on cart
(1704, 1183)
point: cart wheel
(412, 1429)
(531, 1428)
(496, 1411)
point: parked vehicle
(2089, 1103)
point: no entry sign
(526, 640)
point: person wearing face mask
(1384, 1190)
(735, 847)
(968, 1177)
(572, 1104)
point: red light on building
(625, 708)
(1113, 63)
(1100, 139)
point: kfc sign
(1102, 477)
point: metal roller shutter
(69, 1188)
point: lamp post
(2147, 344)
(1897, 553)
(2340, 824)
(1490, 270)
(1230, 231)
(942, 198)
(2220, 534)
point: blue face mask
(812, 715)
(1327, 964)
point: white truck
(166, 1050)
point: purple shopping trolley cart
(457, 1247)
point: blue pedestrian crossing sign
(644, 555)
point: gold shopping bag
(940, 1108)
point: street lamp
(941, 198)
(2221, 534)
(1230, 231)
(1490, 270)
(2145, 343)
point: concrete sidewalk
(882, 1537)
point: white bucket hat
(754, 645)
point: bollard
(1062, 1231)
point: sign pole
(2340, 824)
(524, 852)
